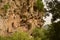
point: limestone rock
(19, 14)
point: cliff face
(19, 15)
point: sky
(59, 0)
(48, 18)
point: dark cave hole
(12, 24)
(35, 8)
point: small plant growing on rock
(39, 5)
(6, 6)
(0, 1)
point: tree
(54, 31)
(54, 8)
(39, 34)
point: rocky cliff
(18, 15)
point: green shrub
(40, 5)
(20, 36)
(0, 0)
(6, 6)
(17, 36)
(39, 34)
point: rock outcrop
(19, 15)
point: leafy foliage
(39, 34)
(39, 5)
(20, 36)
(54, 8)
(54, 28)
(54, 31)
(0, 0)
(17, 36)
(6, 6)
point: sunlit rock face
(19, 15)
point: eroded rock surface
(19, 14)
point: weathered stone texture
(20, 14)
